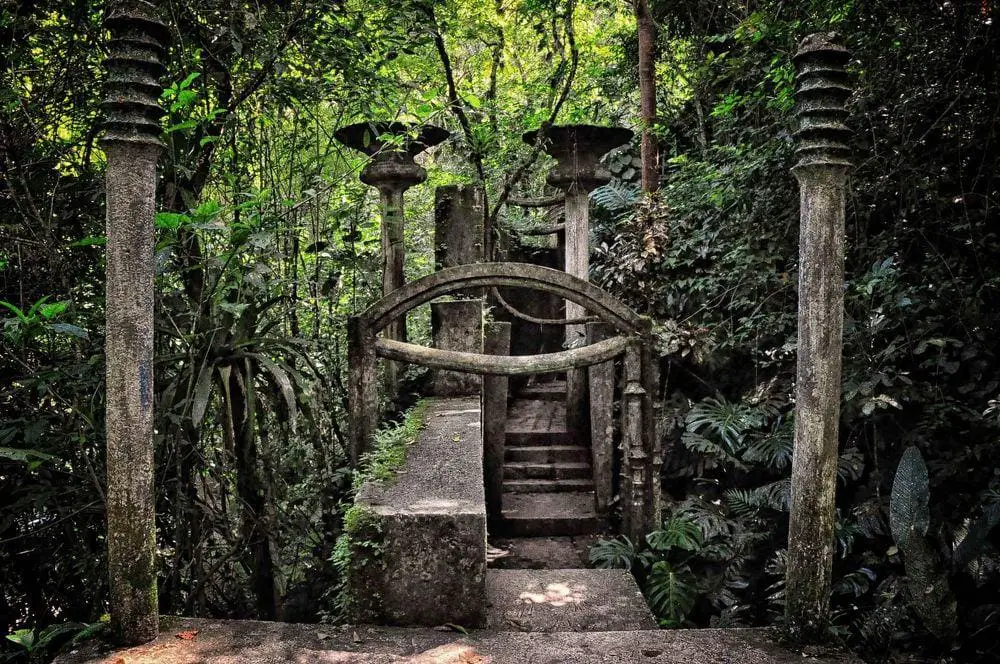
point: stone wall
(418, 554)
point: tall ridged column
(131, 143)
(392, 171)
(822, 168)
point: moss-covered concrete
(418, 555)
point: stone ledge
(250, 642)
(420, 557)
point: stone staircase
(547, 476)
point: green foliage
(389, 447)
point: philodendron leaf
(909, 513)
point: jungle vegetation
(267, 241)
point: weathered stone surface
(251, 642)
(458, 225)
(824, 160)
(494, 406)
(565, 600)
(131, 142)
(602, 428)
(553, 552)
(458, 326)
(428, 562)
(546, 514)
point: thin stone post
(392, 171)
(602, 428)
(635, 464)
(578, 171)
(362, 386)
(131, 143)
(494, 409)
(824, 161)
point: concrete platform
(425, 533)
(565, 600)
(197, 641)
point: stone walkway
(200, 641)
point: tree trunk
(647, 96)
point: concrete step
(535, 438)
(554, 391)
(548, 514)
(565, 600)
(547, 486)
(518, 470)
(548, 454)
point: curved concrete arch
(519, 275)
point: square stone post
(494, 409)
(602, 427)
(824, 160)
(131, 143)
(458, 225)
(362, 386)
(456, 325)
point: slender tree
(647, 96)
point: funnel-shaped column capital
(578, 150)
(392, 147)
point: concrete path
(565, 600)
(197, 641)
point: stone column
(458, 225)
(456, 325)
(602, 429)
(635, 460)
(824, 161)
(131, 143)
(578, 171)
(494, 409)
(392, 171)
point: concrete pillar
(132, 146)
(458, 225)
(456, 325)
(494, 409)
(578, 150)
(824, 160)
(392, 171)
(362, 386)
(602, 428)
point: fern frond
(615, 195)
(618, 553)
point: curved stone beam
(502, 365)
(518, 275)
